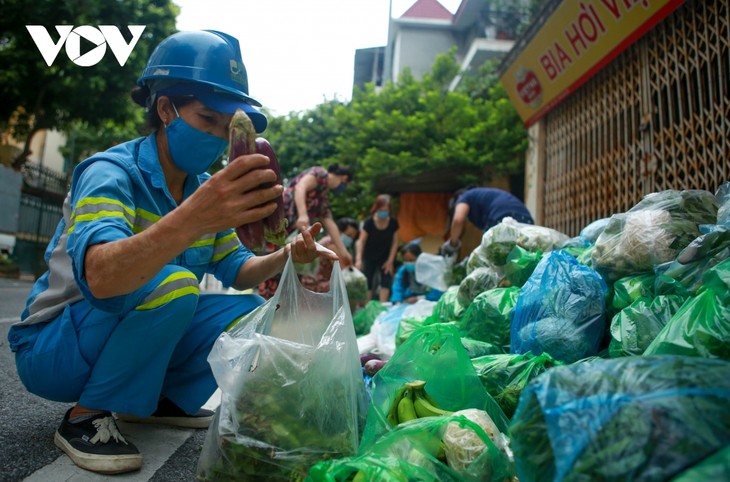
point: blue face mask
(340, 188)
(382, 214)
(191, 149)
(347, 241)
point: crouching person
(117, 325)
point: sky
(298, 53)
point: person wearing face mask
(118, 324)
(377, 247)
(406, 289)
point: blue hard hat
(206, 56)
(210, 63)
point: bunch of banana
(411, 402)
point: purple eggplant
(272, 229)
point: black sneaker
(168, 413)
(95, 444)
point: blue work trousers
(124, 362)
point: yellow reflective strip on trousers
(188, 284)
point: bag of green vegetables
(643, 418)
(292, 386)
(461, 447)
(435, 355)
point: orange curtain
(421, 214)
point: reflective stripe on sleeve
(143, 220)
(225, 245)
(94, 208)
(174, 286)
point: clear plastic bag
(500, 240)
(292, 386)
(431, 269)
(652, 232)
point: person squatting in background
(484, 207)
(406, 289)
(377, 247)
(118, 324)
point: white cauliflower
(463, 445)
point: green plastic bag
(505, 376)
(364, 318)
(439, 449)
(406, 328)
(489, 316)
(477, 348)
(520, 265)
(631, 288)
(447, 307)
(702, 326)
(635, 327)
(434, 354)
(714, 468)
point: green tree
(417, 126)
(65, 96)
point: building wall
(417, 49)
(656, 118)
(46, 149)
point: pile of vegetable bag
(292, 386)
(652, 232)
(560, 310)
(627, 419)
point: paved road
(27, 425)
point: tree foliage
(36, 96)
(408, 128)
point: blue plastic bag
(561, 310)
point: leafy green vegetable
(635, 327)
(632, 418)
(652, 232)
(489, 317)
(478, 281)
(505, 376)
(702, 326)
(447, 307)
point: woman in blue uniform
(117, 324)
